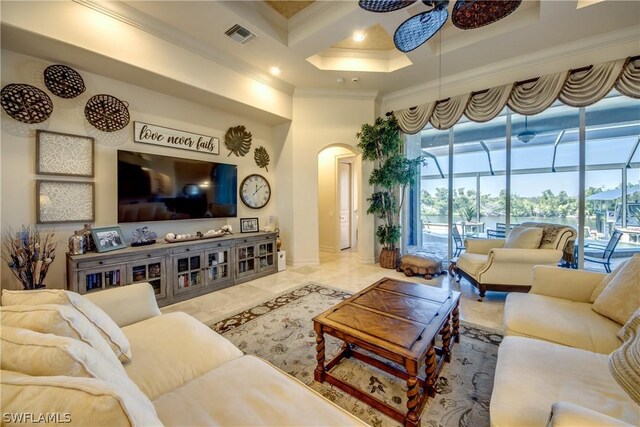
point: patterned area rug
(281, 331)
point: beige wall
(18, 155)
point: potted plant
(393, 172)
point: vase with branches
(29, 253)
(393, 172)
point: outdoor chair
(607, 251)
(457, 239)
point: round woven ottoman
(427, 265)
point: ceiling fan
(526, 135)
(466, 15)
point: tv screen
(161, 188)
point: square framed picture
(108, 238)
(64, 154)
(249, 225)
(64, 201)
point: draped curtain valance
(576, 88)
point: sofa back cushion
(554, 236)
(605, 281)
(107, 327)
(621, 297)
(62, 320)
(624, 363)
(523, 238)
(74, 400)
(37, 354)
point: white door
(345, 205)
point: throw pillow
(624, 363)
(107, 327)
(605, 281)
(63, 320)
(524, 238)
(76, 400)
(37, 354)
(621, 298)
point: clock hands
(257, 189)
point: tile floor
(341, 271)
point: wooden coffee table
(398, 321)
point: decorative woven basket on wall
(63, 81)
(106, 113)
(389, 258)
(26, 103)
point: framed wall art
(248, 225)
(108, 238)
(64, 154)
(64, 201)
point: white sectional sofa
(554, 363)
(180, 373)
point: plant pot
(389, 258)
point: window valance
(576, 88)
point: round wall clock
(255, 191)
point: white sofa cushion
(63, 320)
(561, 321)
(75, 400)
(262, 396)
(531, 375)
(107, 327)
(37, 354)
(524, 238)
(471, 263)
(173, 349)
(621, 297)
(605, 281)
(565, 414)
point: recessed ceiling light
(358, 36)
(275, 71)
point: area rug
(281, 331)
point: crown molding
(522, 62)
(350, 94)
(143, 22)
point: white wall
(18, 154)
(321, 120)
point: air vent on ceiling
(240, 34)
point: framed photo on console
(108, 238)
(249, 225)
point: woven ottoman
(427, 265)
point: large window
(543, 175)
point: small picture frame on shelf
(249, 225)
(108, 238)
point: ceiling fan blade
(416, 30)
(384, 5)
(470, 14)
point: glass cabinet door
(217, 265)
(151, 271)
(103, 278)
(246, 260)
(266, 256)
(188, 270)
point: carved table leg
(412, 419)
(456, 322)
(446, 340)
(318, 374)
(430, 372)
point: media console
(177, 271)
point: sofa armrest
(127, 304)
(565, 283)
(564, 414)
(526, 256)
(482, 246)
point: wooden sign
(166, 137)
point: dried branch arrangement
(29, 254)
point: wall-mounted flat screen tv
(162, 188)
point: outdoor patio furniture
(457, 239)
(607, 251)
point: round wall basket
(26, 103)
(107, 113)
(63, 81)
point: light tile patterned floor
(341, 271)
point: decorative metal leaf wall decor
(26, 103)
(63, 81)
(238, 140)
(261, 157)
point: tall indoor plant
(392, 174)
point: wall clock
(255, 191)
